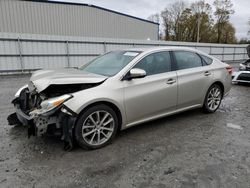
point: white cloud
(144, 8)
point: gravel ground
(190, 149)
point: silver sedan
(118, 90)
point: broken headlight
(50, 104)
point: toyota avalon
(118, 90)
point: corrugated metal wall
(18, 16)
(20, 52)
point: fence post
(210, 50)
(223, 51)
(20, 53)
(244, 54)
(234, 54)
(67, 51)
(104, 47)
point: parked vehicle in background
(243, 75)
(118, 90)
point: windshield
(111, 63)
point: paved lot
(191, 149)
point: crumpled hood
(43, 78)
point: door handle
(171, 81)
(207, 73)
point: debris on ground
(234, 126)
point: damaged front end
(44, 114)
(40, 104)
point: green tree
(202, 21)
(227, 33)
(223, 10)
(186, 25)
(176, 11)
(195, 23)
(167, 21)
(171, 17)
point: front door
(154, 94)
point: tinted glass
(186, 60)
(155, 63)
(206, 59)
(111, 63)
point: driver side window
(155, 63)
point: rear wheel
(96, 127)
(213, 99)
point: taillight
(229, 69)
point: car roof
(148, 49)
(152, 49)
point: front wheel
(96, 127)
(213, 99)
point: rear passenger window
(207, 60)
(186, 60)
(155, 63)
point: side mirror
(136, 73)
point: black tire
(79, 134)
(206, 105)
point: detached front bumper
(59, 121)
(19, 117)
(37, 126)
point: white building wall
(67, 19)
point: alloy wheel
(98, 128)
(214, 98)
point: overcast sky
(144, 8)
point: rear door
(194, 78)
